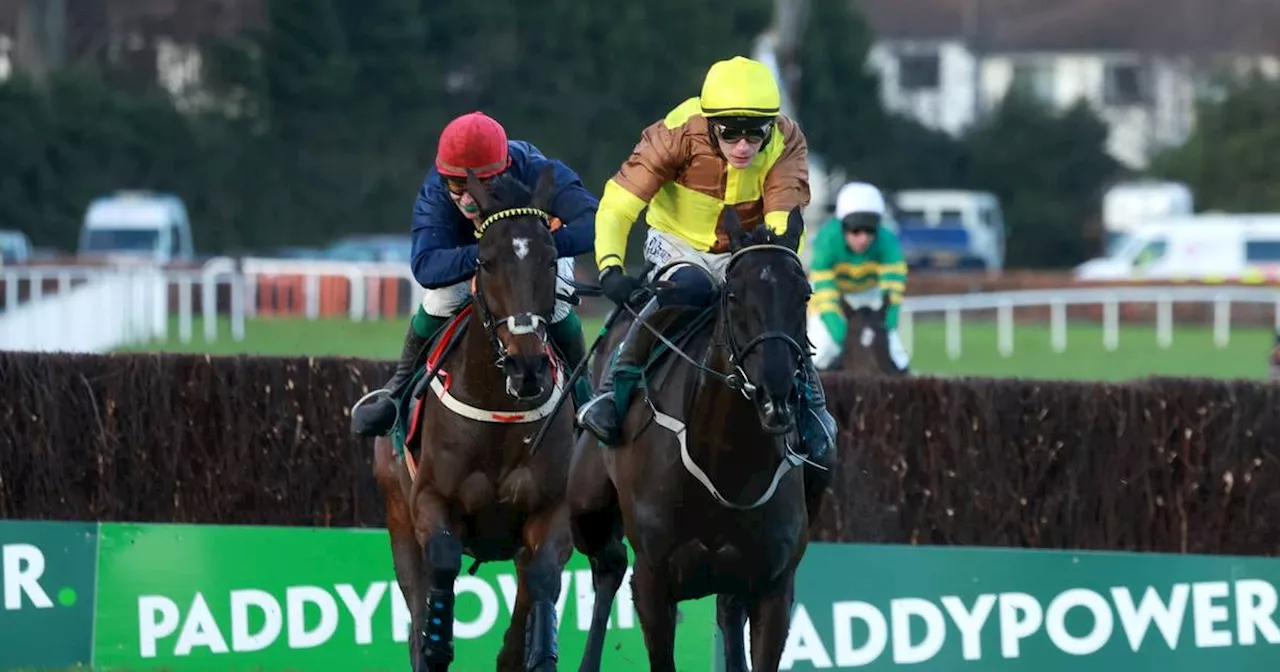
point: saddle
(408, 397)
(431, 375)
(679, 329)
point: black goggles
(861, 222)
(755, 131)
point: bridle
(737, 354)
(518, 324)
(738, 380)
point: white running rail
(1110, 298)
(118, 306)
(109, 309)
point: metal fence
(1110, 299)
(84, 309)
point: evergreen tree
(839, 94)
(1232, 159)
(1049, 170)
(307, 67)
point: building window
(1124, 85)
(1034, 78)
(918, 72)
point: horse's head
(762, 313)
(866, 346)
(515, 284)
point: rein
(738, 380)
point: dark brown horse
(866, 343)
(705, 484)
(473, 486)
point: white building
(1141, 64)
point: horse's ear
(795, 230)
(738, 239)
(545, 190)
(478, 192)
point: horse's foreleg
(731, 617)
(595, 522)
(657, 611)
(549, 542)
(770, 623)
(608, 567)
(511, 656)
(442, 560)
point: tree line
(325, 123)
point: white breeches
(662, 249)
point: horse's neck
(475, 373)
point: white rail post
(1164, 322)
(355, 278)
(239, 287)
(185, 288)
(1058, 325)
(953, 332)
(1004, 327)
(1111, 324)
(10, 290)
(311, 283)
(1221, 321)
(160, 314)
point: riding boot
(817, 435)
(377, 416)
(600, 416)
(567, 337)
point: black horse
(705, 484)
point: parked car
(15, 247)
(390, 247)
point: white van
(1127, 205)
(1210, 246)
(138, 226)
(938, 224)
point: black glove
(618, 286)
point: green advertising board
(135, 598)
(267, 598)
(873, 607)
(46, 583)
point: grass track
(1191, 354)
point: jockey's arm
(653, 162)
(439, 257)
(893, 274)
(787, 183)
(827, 251)
(572, 204)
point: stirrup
(362, 400)
(395, 422)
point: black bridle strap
(486, 316)
(738, 380)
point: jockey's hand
(618, 286)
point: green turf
(1191, 354)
